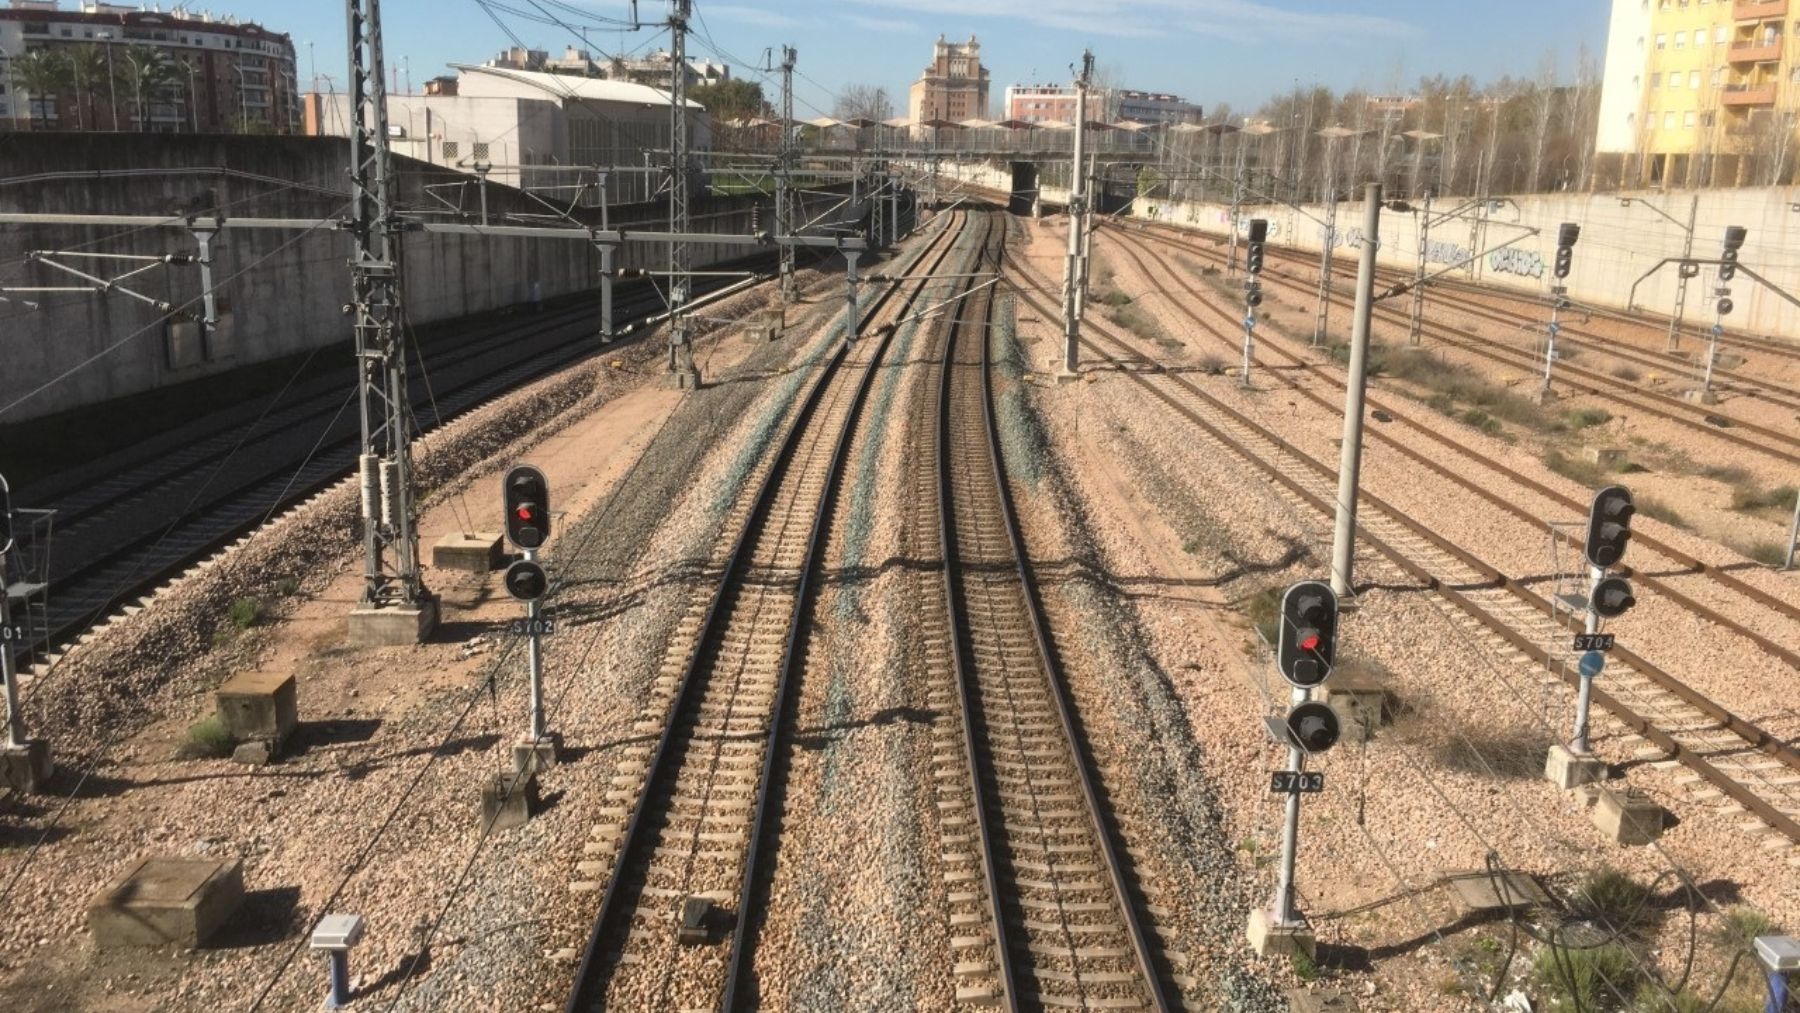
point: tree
(150, 76)
(731, 100)
(863, 102)
(43, 75)
(87, 74)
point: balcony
(1751, 10)
(1738, 96)
(1756, 50)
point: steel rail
(1730, 786)
(591, 980)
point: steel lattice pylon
(786, 206)
(681, 352)
(390, 535)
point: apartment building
(1701, 92)
(103, 66)
(954, 87)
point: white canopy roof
(482, 82)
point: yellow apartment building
(1701, 92)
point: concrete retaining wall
(285, 290)
(1618, 245)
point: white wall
(1621, 88)
(1618, 244)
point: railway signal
(1253, 264)
(24, 762)
(527, 496)
(1566, 235)
(1728, 259)
(1306, 641)
(1314, 726)
(1612, 597)
(1609, 526)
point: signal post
(1609, 529)
(1305, 647)
(25, 764)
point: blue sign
(1591, 664)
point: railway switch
(527, 496)
(1305, 644)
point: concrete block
(769, 325)
(259, 706)
(1607, 457)
(1480, 892)
(164, 901)
(1628, 817)
(255, 753)
(392, 626)
(1566, 770)
(1358, 698)
(26, 768)
(508, 800)
(1324, 1000)
(682, 379)
(186, 346)
(477, 553)
(535, 757)
(1272, 940)
(1700, 396)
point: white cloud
(1233, 19)
(750, 16)
(882, 24)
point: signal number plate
(1593, 641)
(1288, 782)
(533, 627)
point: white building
(513, 120)
(1622, 84)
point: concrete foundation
(1481, 892)
(393, 626)
(769, 325)
(1567, 770)
(1700, 396)
(508, 800)
(26, 768)
(477, 553)
(1325, 1000)
(1272, 940)
(1628, 817)
(682, 379)
(259, 706)
(167, 901)
(535, 757)
(1358, 698)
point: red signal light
(524, 513)
(1309, 641)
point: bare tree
(863, 102)
(1543, 109)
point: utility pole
(1237, 204)
(1326, 249)
(1343, 546)
(608, 263)
(1793, 536)
(1687, 250)
(395, 606)
(1077, 209)
(682, 371)
(1416, 323)
(785, 218)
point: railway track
(1731, 756)
(1735, 430)
(136, 517)
(1658, 576)
(1038, 864)
(688, 855)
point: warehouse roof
(564, 86)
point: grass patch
(1112, 297)
(1212, 365)
(1766, 553)
(1141, 324)
(1741, 925)
(1748, 497)
(1512, 756)
(1630, 374)
(1263, 609)
(1477, 419)
(245, 612)
(1575, 469)
(1730, 474)
(1650, 506)
(1305, 967)
(1587, 418)
(1613, 900)
(1587, 979)
(207, 739)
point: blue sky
(1237, 51)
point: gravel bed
(1480, 723)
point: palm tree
(147, 72)
(42, 74)
(87, 71)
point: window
(1694, 79)
(1668, 121)
(1687, 119)
(1656, 80)
(1718, 76)
(1680, 40)
(1662, 41)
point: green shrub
(1613, 900)
(287, 587)
(1112, 297)
(1263, 609)
(245, 612)
(1742, 924)
(1602, 978)
(1629, 374)
(1750, 497)
(207, 739)
(1650, 506)
(1766, 553)
(1475, 418)
(1588, 417)
(1576, 469)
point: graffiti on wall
(1437, 252)
(1512, 260)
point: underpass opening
(1024, 187)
